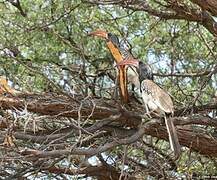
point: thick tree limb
(174, 10)
(101, 172)
(81, 151)
(199, 142)
(208, 5)
(63, 106)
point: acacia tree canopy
(60, 118)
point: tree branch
(173, 10)
(58, 106)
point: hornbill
(155, 99)
(113, 45)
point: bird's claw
(148, 114)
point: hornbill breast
(156, 96)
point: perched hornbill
(116, 50)
(155, 99)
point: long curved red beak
(99, 33)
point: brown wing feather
(162, 99)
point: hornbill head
(107, 36)
(114, 47)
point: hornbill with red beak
(113, 45)
(155, 99)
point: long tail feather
(173, 138)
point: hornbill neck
(114, 51)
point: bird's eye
(109, 35)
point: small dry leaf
(5, 88)
(9, 141)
